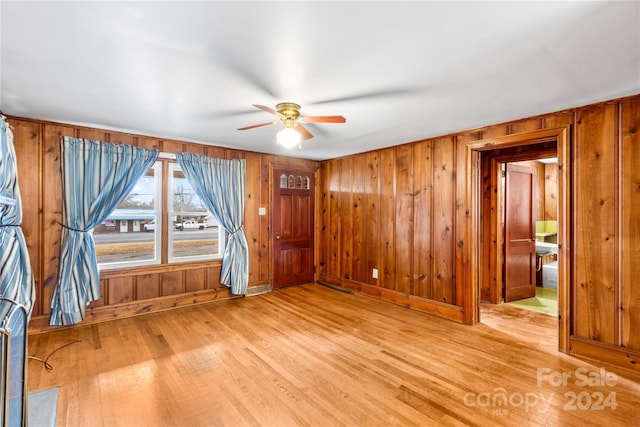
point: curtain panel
(221, 185)
(96, 178)
(16, 278)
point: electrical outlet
(375, 273)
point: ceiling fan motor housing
(289, 111)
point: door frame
(473, 152)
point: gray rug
(43, 407)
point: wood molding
(437, 308)
(616, 356)
(118, 311)
(473, 149)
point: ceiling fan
(293, 132)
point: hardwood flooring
(312, 356)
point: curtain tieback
(73, 229)
(9, 225)
(236, 230)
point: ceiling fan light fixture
(288, 138)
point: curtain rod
(170, 156)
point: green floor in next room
(545, 301)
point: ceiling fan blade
(257, 126)
(303, 132)
(323, 119)
(268, 110)
(368, 95)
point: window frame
(171, 259)
(163, 233)
(157, 212)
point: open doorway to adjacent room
(521, 199)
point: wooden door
(293, 227)
(520, 231)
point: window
(133, 234)
(121, 241)
(194, 233)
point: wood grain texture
(358, 250)
(38, 149)
(630, 227)
(345, 204)
(388, 201)
(595, 225)
(29, 173)
(423, 214)
(443, 217)
(341, 360)
(404, 194)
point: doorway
(293, 197)
(530, 224)
(486, 157)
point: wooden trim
(448, 311)
(158, 268)
(473, 149)
(118, 311)
(620, 357)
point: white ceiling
(398, 71)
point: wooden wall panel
(147, 286)
(443, 213)
(93, 134)
(51, 211)
(122, 138)
(387, 257)
(423, 215)
(323, 207)
(251, 218)
(404, 218)
(358, 249)
(28, 164)
(148, 143)
(169, 146)
(195, 280)
(373, 224)
(595, 226)
(630, 227)
(334, 219)
(120, 290)
(173, 283)
(346, 217)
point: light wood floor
(312, 356)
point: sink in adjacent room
(544, 248)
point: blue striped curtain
(221, 186)
(16, 278)
(96, 178)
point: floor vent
(257, 290)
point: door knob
(277, 237)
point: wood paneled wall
(405, 210)
(134, 290)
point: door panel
(293, 230)
(520, 246)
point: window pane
(128, 235)
(194, 233)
